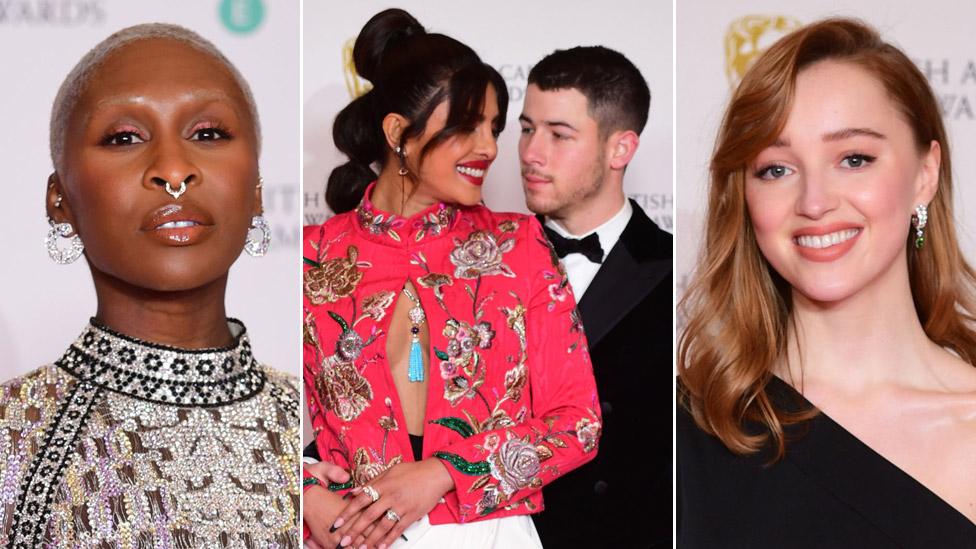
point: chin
(469, 200)
(540, 206)
(824, 292)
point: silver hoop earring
(176, 194)
(919, 220)
(69, 253)
(258, 246)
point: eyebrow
(550, 123)
(847, 133)
(199, 95)
(838, 135)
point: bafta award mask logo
(355, 84)
(748, 37)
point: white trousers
(516, 532)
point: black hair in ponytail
(412, 72)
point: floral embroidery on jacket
(431, 223)
(367, 463)
(481, 255)
(333, 279)
(507, 354)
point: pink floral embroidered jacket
(512, 403)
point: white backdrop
(511, 36)
(936, 34)
(44, 306)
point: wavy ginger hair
(738, 309)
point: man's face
(562, 155)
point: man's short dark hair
(617, 95)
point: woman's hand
(327, 472)
(410, 490)
(320, 509)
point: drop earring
(402, 157)
(257, 246)
(919, 220)
(69, 253)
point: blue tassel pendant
(416, 371)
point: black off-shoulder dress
(830, 491)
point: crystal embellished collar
(387, 227)
(163, 374)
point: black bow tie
(588, 246)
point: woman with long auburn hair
(827, 394)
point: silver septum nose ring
(175, 193)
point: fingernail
(346, 541)
(337, 524)
(363, 546)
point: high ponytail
(412, 72)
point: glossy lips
(826, 243)
(474, 171)
(178, 224)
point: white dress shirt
(581, 270)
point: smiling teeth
(473, 172)
(827, 240)
(177, 224)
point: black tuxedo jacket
(623, 497)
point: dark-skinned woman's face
(159, 111)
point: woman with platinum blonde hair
(827, 394)
(157, 427)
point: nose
(531, 149)
(817, 196)
(485, 143)
(171, 167)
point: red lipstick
(474, 171)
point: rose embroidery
(481, 255)
(588, 434)
(342, 389)
(333, 279)
(514, 465)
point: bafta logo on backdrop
(750, 35)
(355, 84)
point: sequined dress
(122, 443)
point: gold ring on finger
(371, 492)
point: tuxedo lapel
(638, 262)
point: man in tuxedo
(581, 122)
